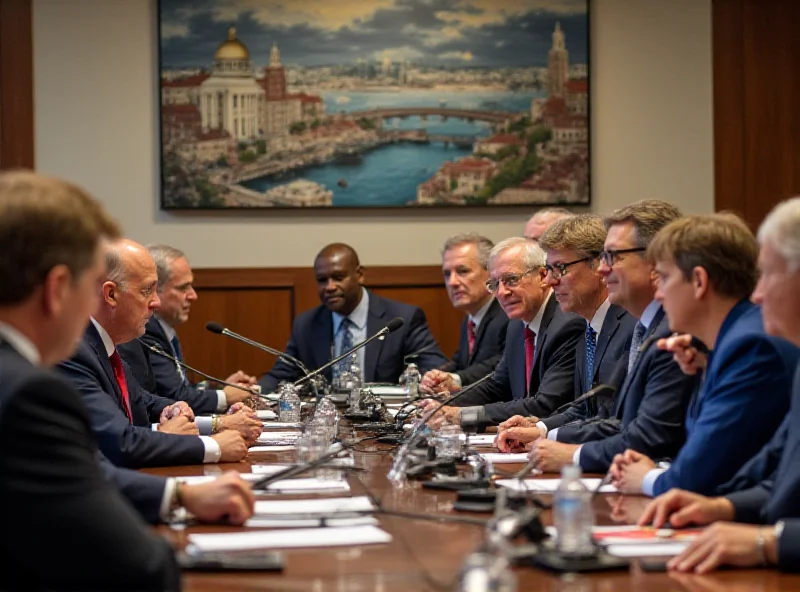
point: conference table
(427, 555)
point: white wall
(96, 123)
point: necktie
(530, 346)
(176, 347)
(347, 342)
(591, 336)
(636, 342)
(119, 374)
(471, 337)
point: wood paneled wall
(16, 85)
(261, 304)
(756, 104)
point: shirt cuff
(576, 456)
(553, 435)
(543, 430)
(203, 424)
(222, 401)
(649, 481)
(456, 378)
(213, 452)
(166, 500)
(154, 426)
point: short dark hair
(648, 217)
(45, 222)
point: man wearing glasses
(573, 248)
(650, 408)
(535, 374)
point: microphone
(219, 329)
(392, 325)
(415, 355)
(600, 388)
(157, 350)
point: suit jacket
(613, 344)
(649, 410)
(50, 482)
(552, 375)
(125, 444)
(763, 465)
(312, 338)
(490, 341)
(741, 403)
(157, 374)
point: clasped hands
(179, 418)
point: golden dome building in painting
(230, 99)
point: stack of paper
(502, 457)
(197, 479)
(479, 439)
(285, 539)
(550, 485)
(307, 485)
(340, 511)
(637, 541)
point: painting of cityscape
(373, 103)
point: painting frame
(192, 179)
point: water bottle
(327, 415)
(488, 570)
(412, 381)
(289, 404)
(354, 386)
(572, 515)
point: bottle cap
(571, 472)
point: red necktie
(530, 346)
(471, 337)
(119, 374)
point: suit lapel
(482, 328)
(624, 390)
(607, 331)
(96, 343)
(541, 338)
(375, 322)
(322, 348)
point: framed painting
(373, 103)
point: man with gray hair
(159, 374)
(465, 261)
(542, 220)
(535, 374)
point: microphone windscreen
(214, 327)
(395, 324)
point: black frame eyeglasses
(610, 256)
(559, 270)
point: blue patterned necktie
(176, 348)
(591, 337)
(347, 343)
(636, 343)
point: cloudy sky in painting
(481, 33)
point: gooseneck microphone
(392, 325)
(600, 388)
(219, 329)
(157, 350)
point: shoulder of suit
(395, 307)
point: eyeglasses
(559, 270)
(510, 280)
(610, 256)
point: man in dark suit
(135, 428)
(465, 262)
(158, 374)
(348, 315)
(573, 247)
(771, 506)
(649, 410)
(535, 374)
(707, 270)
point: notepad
(287, 539)
(501, 457)
(550, 485)
(649, 550)
(326, 506)
(272, 448)
(198, 479)
(259, 522)
(481, 440)
(307, 485)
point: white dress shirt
(358, 329)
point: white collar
(478, 316)
(20, 342)
(359, 315)
(107, 342)
(536, 323)
(600, 317)
(169, 331)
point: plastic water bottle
(412, 381)
(353, 385)
(572, 515)
(289, 404)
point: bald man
(349, 313)
(542, 220)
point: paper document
(272, 448)
(480, 440)
(278, 435)
(501, 457)
(388, 391)
(550, 485)
(197, 479)
(268, 469)
(278, 424)
(286, 539)
(259, 522)
(326, 506)
(266, 414)
(653, 550)
(305, 485)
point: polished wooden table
(426, 555)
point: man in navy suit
(706, 267)
(650, 407)
(771, 506)
(50, 478)
(535, 374)
(159, 374)
(465, 262)
(573, 247)
(348, 315)
(135, 428)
